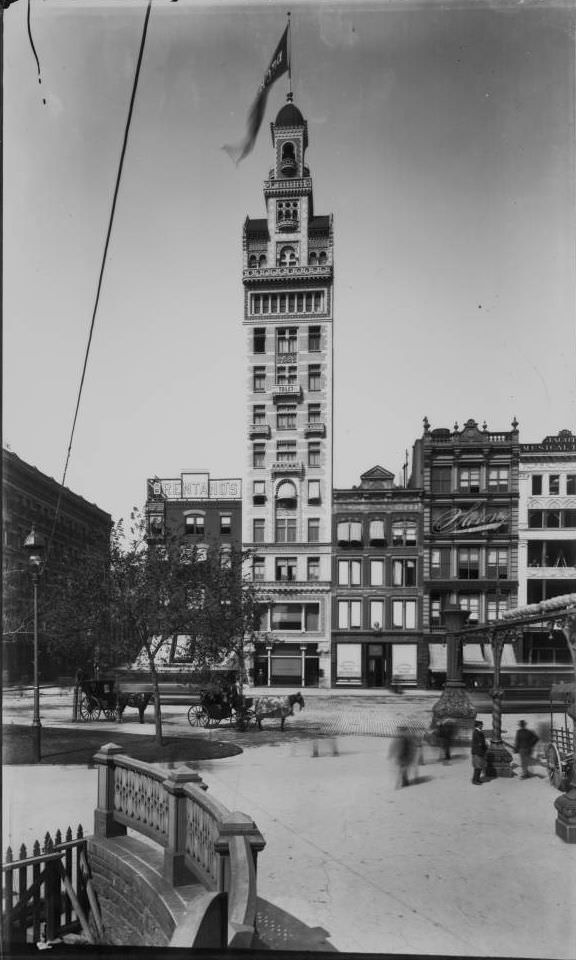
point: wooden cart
(559, 750)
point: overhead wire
(100, 278)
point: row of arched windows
(288, 257)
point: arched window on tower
(262, 260)
(253, 260)
(286, 495)
(313, 259)
(323, 257)
(287, 257)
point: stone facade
(288, 282)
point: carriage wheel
(554, 765)
(89, 709)
(211, 721)
(196, 716)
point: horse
(275, 707)
(138, 700)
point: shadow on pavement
(279, 930)
(66, 746)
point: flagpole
(289, 56)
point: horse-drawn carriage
(559, 750)
(102, 696)
(218, 704)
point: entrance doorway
(375, 665)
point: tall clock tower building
(288, 313)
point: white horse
(275, 707)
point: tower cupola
(290, 139)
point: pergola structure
(559, 614)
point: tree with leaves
(157, 590)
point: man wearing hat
(479, 750)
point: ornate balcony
(315, 429)
(292, 467)
(259, 430)
(288, 166)
(286, 358)
(288, 224)
(282, 390)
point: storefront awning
(474, 656)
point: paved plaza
(352, 863)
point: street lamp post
(498, 758)
(34, 545)
(454, 702)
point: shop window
(535, 519)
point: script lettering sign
(470, 520)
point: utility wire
(101, 276)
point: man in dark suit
(479, 751)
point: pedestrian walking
(479, 751)
(524, 744)
(404, 753)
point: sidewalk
(352, 863)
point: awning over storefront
(474, 656)
(437, 653)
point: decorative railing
(315, 429)
(288, 466)
(288, 357)
(288, 224)
(287, 390)
(276, 273)
(259, 430)
(194, 829)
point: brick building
(29, 499)
(377, 584)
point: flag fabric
(278, 65)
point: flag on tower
(279, 64)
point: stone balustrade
(201, 841)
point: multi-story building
(288, 312)
(206, 512)
(377, 577)
(30, 499)
(469, 478)
(547, 536)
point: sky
(441, 137)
